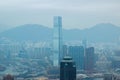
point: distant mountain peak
(105, 25)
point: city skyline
(77, 14)
(60, 40)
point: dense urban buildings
(8, 77)
(108, 77)
(67, 69)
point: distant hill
(103, 33)
(4, 27)
(28, 32)
(98, 33)
(33, 32)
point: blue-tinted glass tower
(77, 52)
(57, 40)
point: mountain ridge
(104, 32)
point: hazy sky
(75, 13)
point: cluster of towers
(67, 65)
(82, 56)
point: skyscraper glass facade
(57, 40)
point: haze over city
(77, 13)
(59, 40)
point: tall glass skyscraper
(57, 40)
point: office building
(77, 53)
(67, 69)
(84, 43)
(57, 40)
(89, 59)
